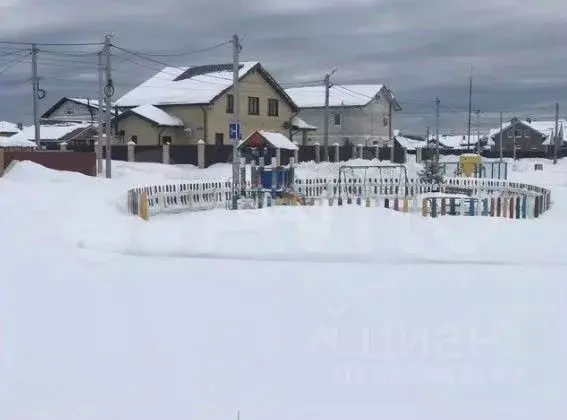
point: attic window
(203, 70)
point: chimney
(529, 119)
(20, 126)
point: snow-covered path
(294, 314)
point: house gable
(69, 109)
(279, 92)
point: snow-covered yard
(284, 313)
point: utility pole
(390, 132)
(236, 48)
(326, 119)
(556, 137)
(108, 92)
(427, 137)
(501, 134)
(35, 82)
(477, 112)
(437, 116)
(470, 112)
(514, 133)
(100, 115)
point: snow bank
(334, 313)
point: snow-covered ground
(283, 313)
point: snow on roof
(157, 115)
(458, 141)
(545, 128)
(86, 101)
(410, 144)
(8, 127)
(176, 85)
(345, 95)
(49, 131)
(277, 140)
(15, 142)
(301, 124)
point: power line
(12, 63)
(75, 44)
(183, 54)
(71, 54)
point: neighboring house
(461, 141)
(8, 129)
(74, 110)
(201, 97)
(52, 135)
(529, 135)
(358, 114)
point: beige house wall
(252, 85)
(148, 134)
(193, 117)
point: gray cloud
(420, 49)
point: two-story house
(358, 114)
(185, 105)
(528, 135)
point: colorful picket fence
(513, 207)
(480, 197)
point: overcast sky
(420, 49)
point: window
(337, 119)
(219, 139)
(229, 104)
(273, 108)
(527, 134)
(510, 134)
(253, 105)
(166, 140)
(134, 139)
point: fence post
(291, 173)
(317, 152)
(165, 153)
(131, 148)
(354, 147)
(278, 157)
(63, 146)
(144, 208)
(377, 151)
(201, 154)
(243, 176)
(360, 151)
(296, 151)
(337, 152)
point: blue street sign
(234, 131)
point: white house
(358, 114)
